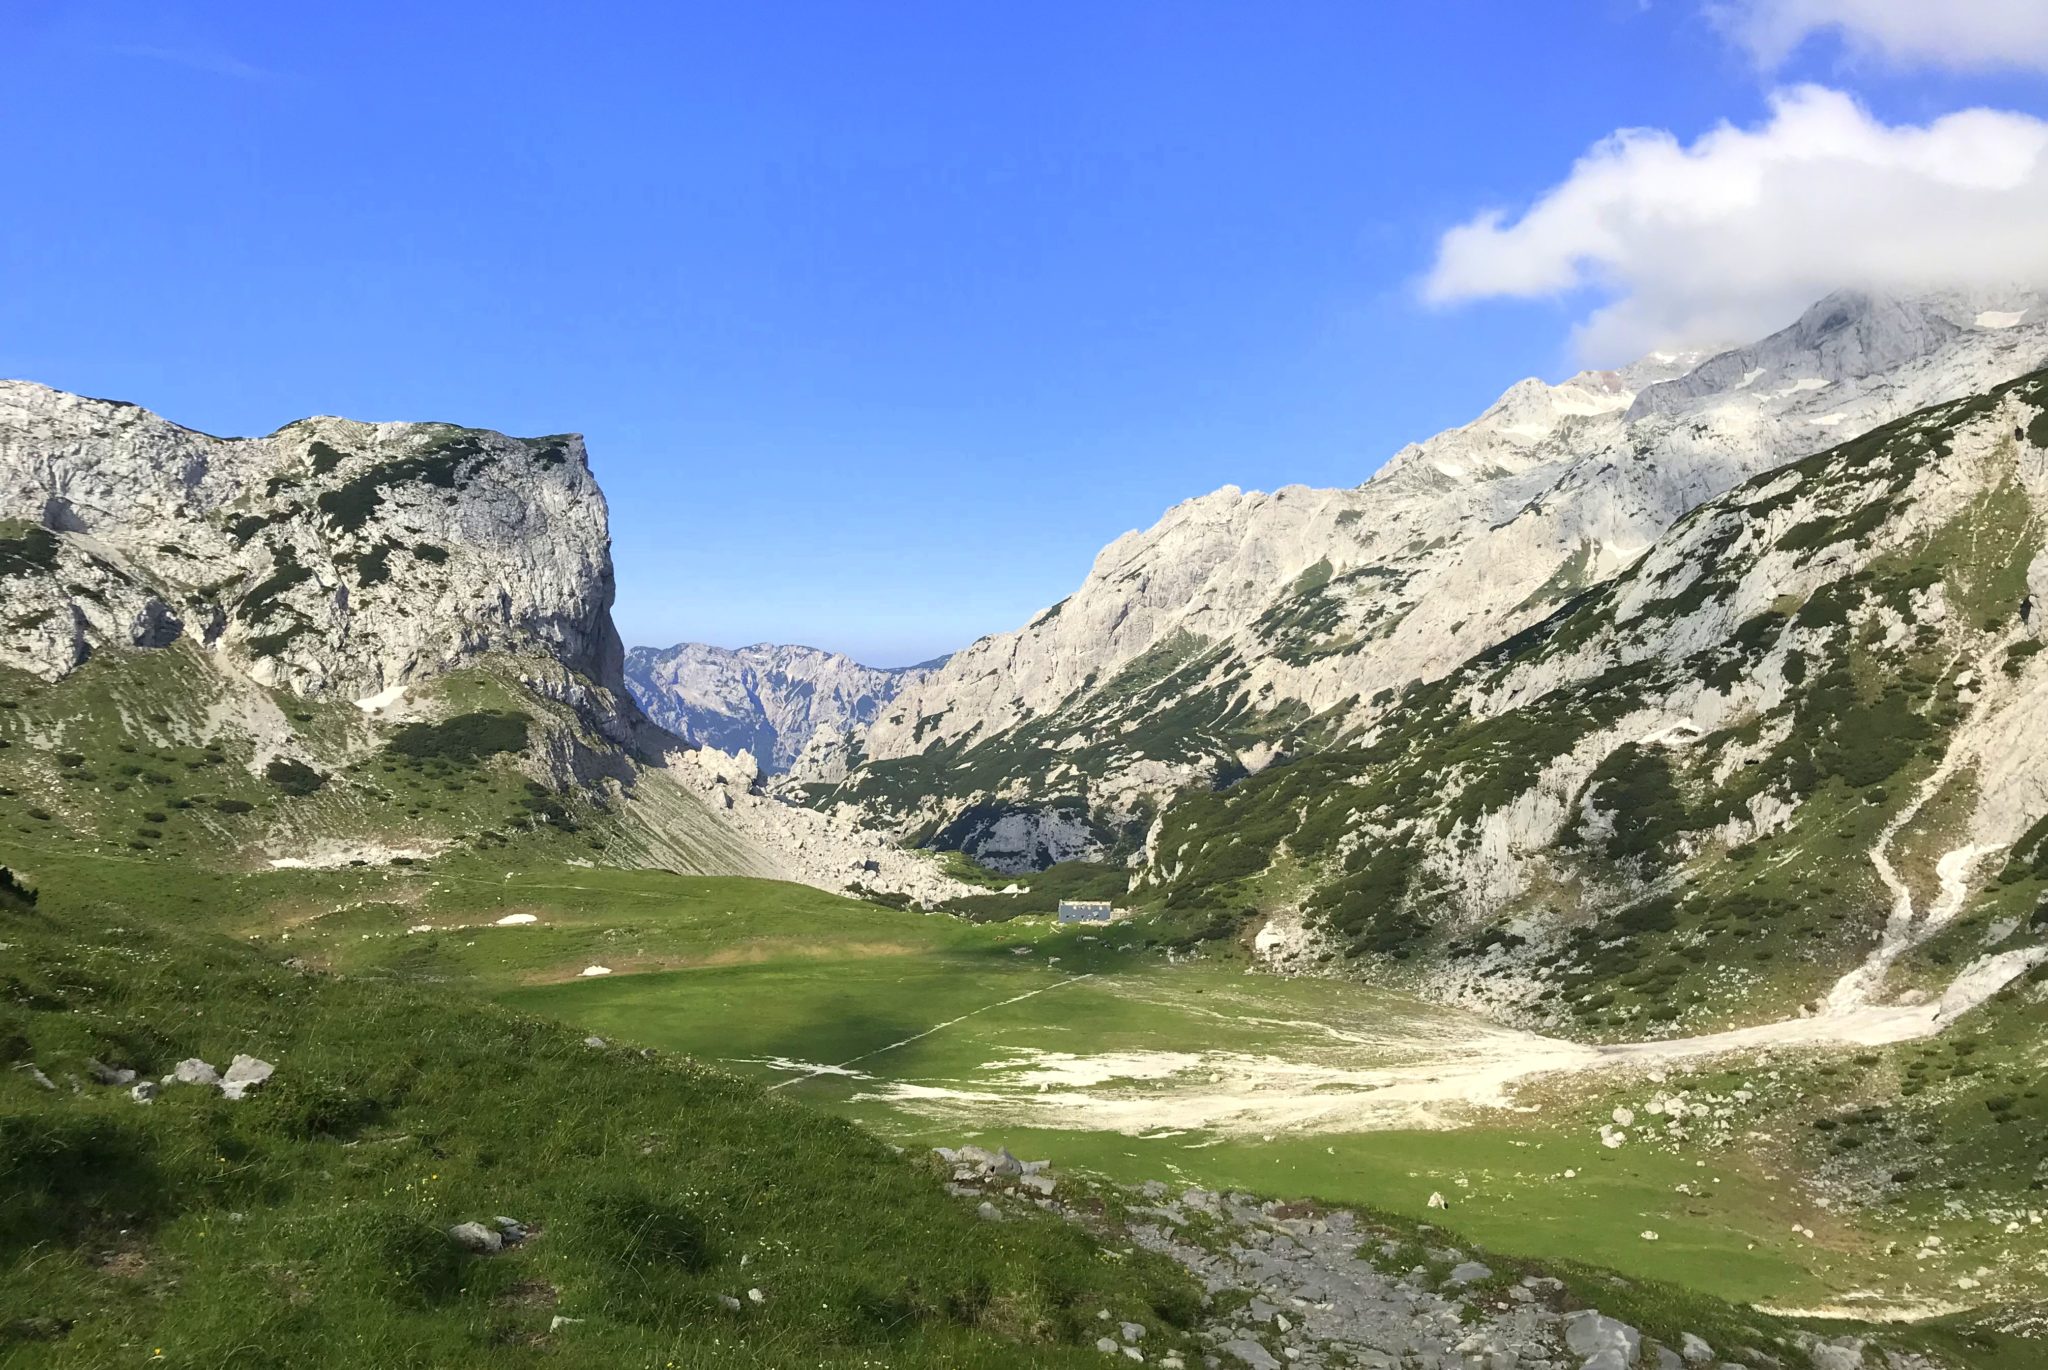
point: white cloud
(1946, 33)
(1732, 236)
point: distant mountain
(1248, 626)
(765, 699)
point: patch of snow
(595, 970)
(514, 920)
(2000, 318)
(383, 699)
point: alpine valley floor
(1726, 1172)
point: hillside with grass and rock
(1246, 627)
(1788, 758)
(348, 642)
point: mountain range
(1684, 720)
(766, 700)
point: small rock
(193, 1071)
(1249, 1352)
(244, 1073)
(1694, 1349)
(1132, 1331)
(558, 1322)
(1842, 1355)
(1038, 1184)
(1601, 1341)
(595, 1043)
(1106, 1345)
(476, 1237)
(989, 1212)
(513, 1230)
(1470, 1272)
(728, 1303)
(756, 1296)
(1436, 1200)
(144, 1092)
(108, 1075)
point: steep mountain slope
(766, 700)
(1245, 626)
(1771, 763)
(346, 642)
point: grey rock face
(329, 558)
(766, 700)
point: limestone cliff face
(329, 558)
(767, 700)
(1245, 624)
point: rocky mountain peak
(328, 557)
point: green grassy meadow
(384, 1031)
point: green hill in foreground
(304, 1225)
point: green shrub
(465, 738)
(293, 777)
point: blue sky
(881, 319)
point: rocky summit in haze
(766, 700)
(1249, 626)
